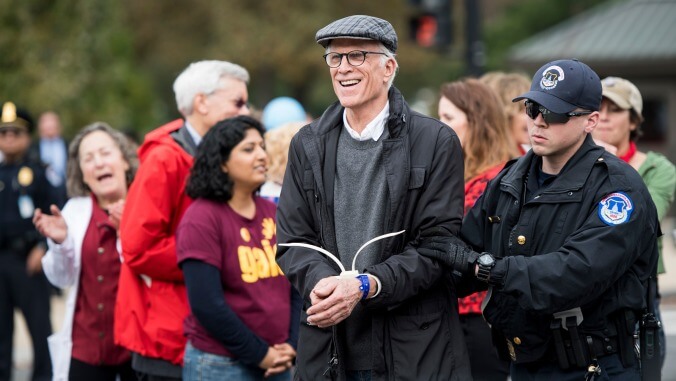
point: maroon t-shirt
(244, 251)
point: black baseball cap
(564, 85)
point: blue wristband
(365, 285)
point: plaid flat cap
(359, 27)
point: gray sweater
(360, 207)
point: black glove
(449, 250)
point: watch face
(486, 260)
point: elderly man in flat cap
(367, 167)
(23, 285)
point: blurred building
(633, 39)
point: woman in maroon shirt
(244, 314)
(84, 255)
(474, 112)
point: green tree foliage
(74, 57)
(116, 61)
(274, 40)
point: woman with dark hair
(243, 323)
(84, 253)
(475, 113)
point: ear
(224, 167)
(591, 122)
(199, 104)
(390, 69)
(632, 126)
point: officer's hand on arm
(454, 253)
(333, 300)
(449, 250)
(53, 227)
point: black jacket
(558, 253)
(22, 184)
(415, 330)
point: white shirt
(374, 129)
(193, 134)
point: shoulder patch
(615, 209)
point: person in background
(283, 110)
(277, 146)
(244, 315)
(84, 255)
(23, 188)
(618, 130)
(52, 149)
(474, 112)
(508, 86)
(152, 302)
(370, 166)
(486, 140)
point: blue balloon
(282, 110)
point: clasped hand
(333, 300)
(278, 359)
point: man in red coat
(152, 301)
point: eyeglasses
(533, 109)
(354, 58)
(238, 103)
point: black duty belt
(575, 349)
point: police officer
(565, 238)
(23, 187)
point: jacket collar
(582, 161)
(396, 123)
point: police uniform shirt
(23, 188)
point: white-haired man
(152, 300)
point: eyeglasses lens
(354, 58)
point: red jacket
(152, 302)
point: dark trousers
(149, 377)
(81, 371)
(483, 357)
(154, 369)
(30, 294)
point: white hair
(203, 77)
(383, 59)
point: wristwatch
(485, 263)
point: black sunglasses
(533, 109)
